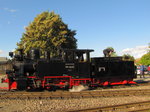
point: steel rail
(141, 110)
(130, 107)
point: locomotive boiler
(72, 67)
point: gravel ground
(63, 105)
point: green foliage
(49, 33)
(145, 59)
(110, 48)
(113, 54)
(128, 57)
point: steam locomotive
(72, 67)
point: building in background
(3, 65)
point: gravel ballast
(63, 105)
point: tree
(128, 57)
(145, 59)
(49, 33)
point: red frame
(115, 81)
(73, 82)
(58, 77)
(76, 82)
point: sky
(121, 24)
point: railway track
(66, 94)
(130, 107)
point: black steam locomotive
(72, 67)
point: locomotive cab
(77, 62)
